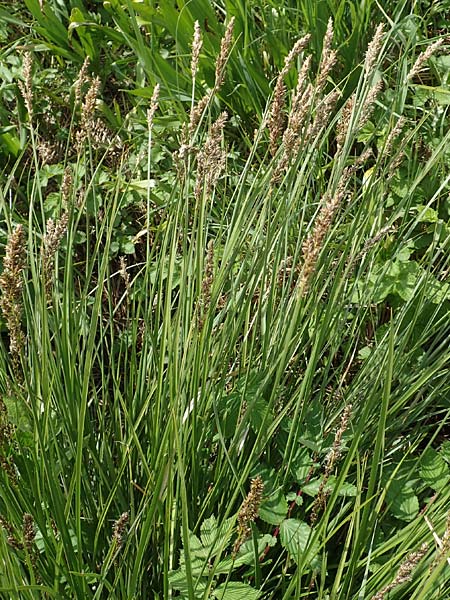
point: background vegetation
(225, 300)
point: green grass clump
(225, 297)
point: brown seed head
(248, 513)
(26, 87)
(373, 50)
(196, 47)
(153, 107)
(423, 58)
(211, 159)
(81, 80)
(224, 53)
(404, 573)
(11, 282)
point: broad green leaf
(445, 451)
(402, 501)
(216, 537)
(234, 590)
(295, 536)
(345, 489)
(246, 554)
(434, 470)
(274, 509)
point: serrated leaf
(295, 536)
(216, 537)
(246, 554)
(345, 489)
(445, 451)
(178, 581)
(434, 470)
(234, 590)
(274, 509)
(402, 501)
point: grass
(224, 363)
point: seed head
(11, 284)
(211, 159)
(423, 58)
(197, 43)
(373, 50)
(26, 87)
(81, 80)
(153, 107)
(404, 572)
(248, 513)
(224, 53)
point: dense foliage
(224, 300)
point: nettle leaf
(401, 499)
(425, 214)
(445, 451)
(274, 509)
(234, 590)
(246, 554)
(178, 581)
(295, 536)
(434, 470)
(405, 285)
(345, 489)
(214, 537)
(395, 277)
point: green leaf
(215, 537)
(345, 489)
(246, 554)
(234, 590)
(402, 501)
(274, 509)
(445, 451)
(295, 537)
(434, 470)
